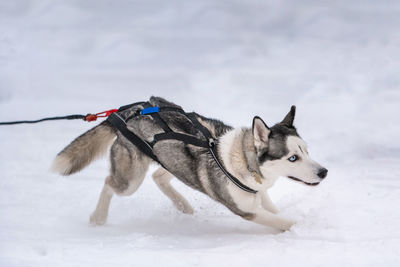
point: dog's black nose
(322, 173)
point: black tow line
(89, 117)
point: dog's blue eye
(293, 158)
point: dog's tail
(84, 149)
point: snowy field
(338, 61)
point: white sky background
(338, 61)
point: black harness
(147, 147)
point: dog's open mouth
(297, 179)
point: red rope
(93, 117)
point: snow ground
(338, 61)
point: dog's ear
(260, 132)
(288, 120)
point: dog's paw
(273, 209)
(97, 219)
(184, 207)
(287, 225)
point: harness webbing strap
(130, 105)
(203, 130)
(143, 146)
(180, 137)
(153, 112)
(161, 122)
(230, 176)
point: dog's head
(281, 152)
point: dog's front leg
(267, 203)
(255, 212)
(264, 217)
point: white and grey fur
(247, 153)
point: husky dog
(256, 156)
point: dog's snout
(322, 173)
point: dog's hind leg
(162, 178)
(128, 169)
(99, 216)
